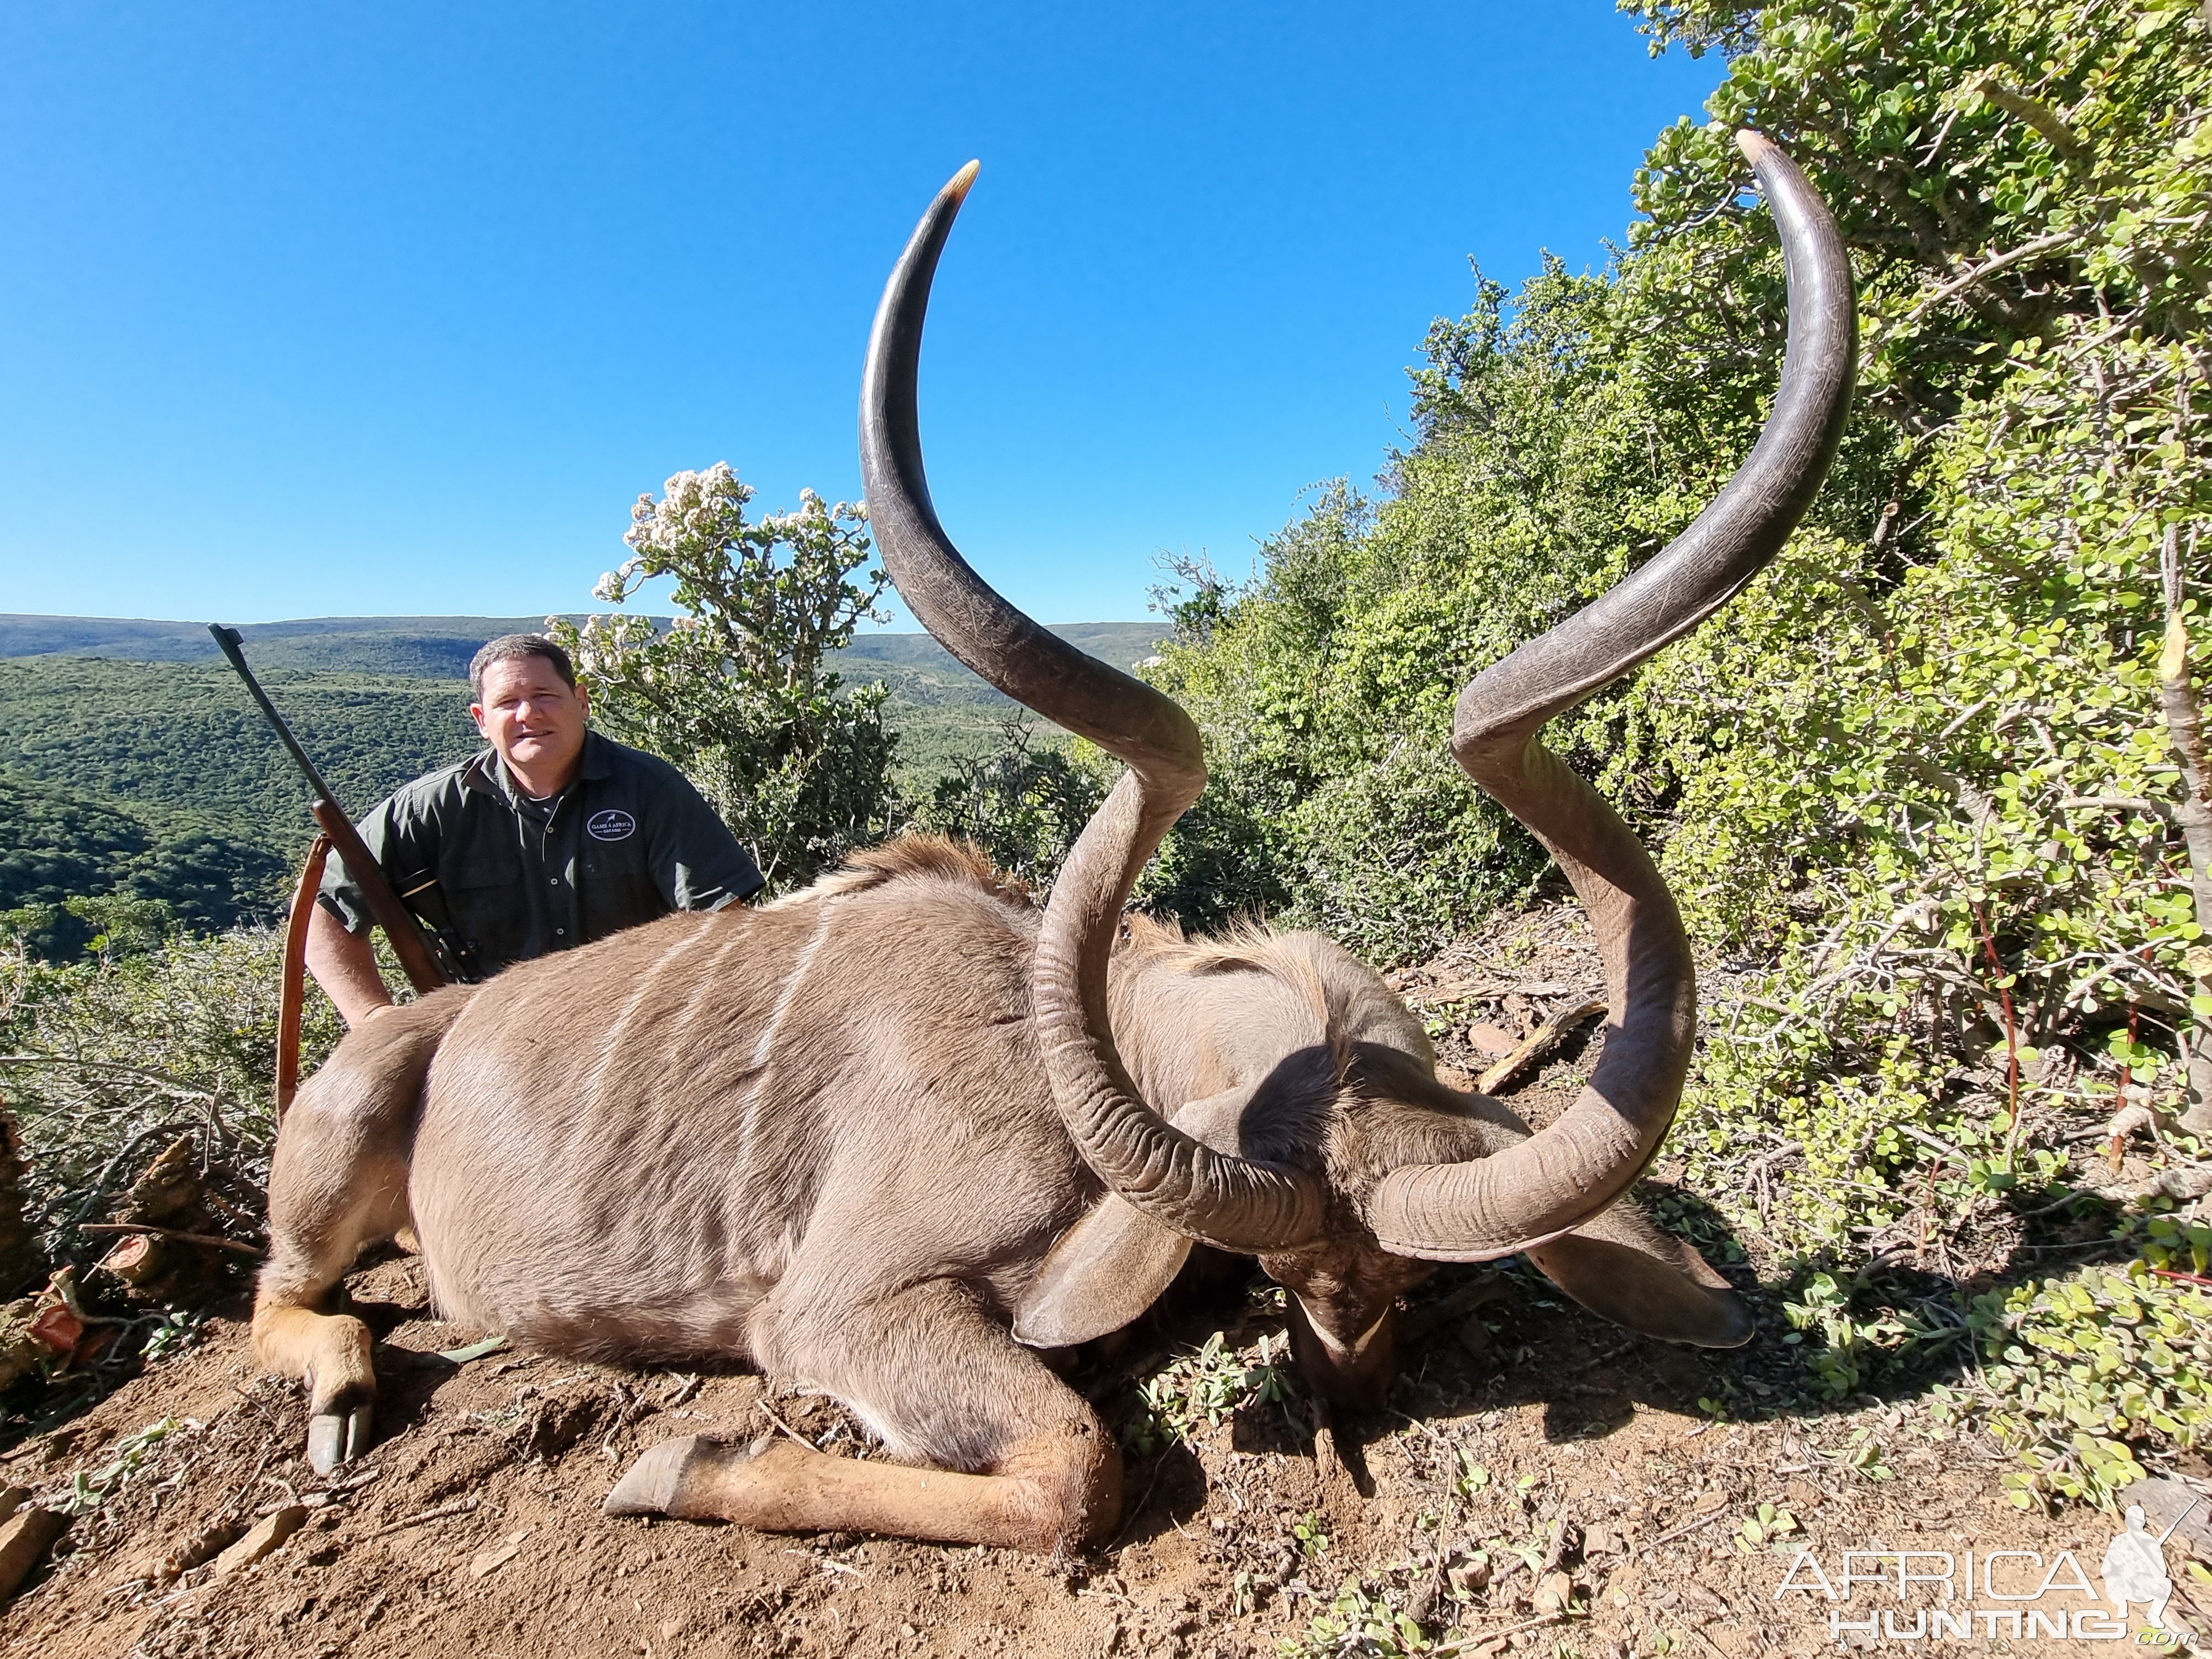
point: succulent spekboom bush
(1914, 786)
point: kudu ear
(1622, 1268)
(1116, 1261)
(1618, 1266)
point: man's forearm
(346, 967)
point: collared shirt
(627, 840)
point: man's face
(532, 717)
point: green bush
(1022, 802)
(1914, 786)
(104, 1062)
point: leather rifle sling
(294, 990)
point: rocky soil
(1543, 1482)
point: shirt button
(553, 881)
(558, 931)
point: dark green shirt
(627, 840)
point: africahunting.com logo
(2015, 1595)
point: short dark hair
(507, 646)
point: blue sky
(394, 308)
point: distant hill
(918, 670)
(160, 739)
(426, 647)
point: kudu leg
(329, 1352)
(939, 1379)
(339, 1184)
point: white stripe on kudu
(620, 1029)
(764, 1049)
(791, 983)
(703, 987)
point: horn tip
(963, 180)
(1756, 146)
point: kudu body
(891, 1135)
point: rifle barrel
(398, 922)
(232, 646)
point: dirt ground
(1543, 1482)
(474, 1529)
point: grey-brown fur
(594, 1163)
(872, 1135)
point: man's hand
(346, 967)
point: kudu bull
(893, 1133)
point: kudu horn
(1215, 1197)
(1557, 1181)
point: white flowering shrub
(738, 692)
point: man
(2135, 1566)
(552, 837)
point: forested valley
(135, 774)
(1932, 790)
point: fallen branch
(1458, 990)
(445, 1512)
(1539, 1043)
(208, 1239)
(1474, 1644)
(1684, 1532)
(768, 1411)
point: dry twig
(1537, 1044)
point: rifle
(400, 926)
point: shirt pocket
(615, 880)
(484, 896)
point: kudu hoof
(675, 1476)
(339, 1436)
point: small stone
(493, 1557)
(24, 1541)
(1601, 1540)
(1489, 1040)
(268, 1534)
(1553, 1594)
(13, 1499)
(1474, 1337)
(198, 1549)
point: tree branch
(2184, 727)
(2060, 136)
(1960, 284)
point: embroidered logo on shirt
(613, 824)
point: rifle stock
(396, 921)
